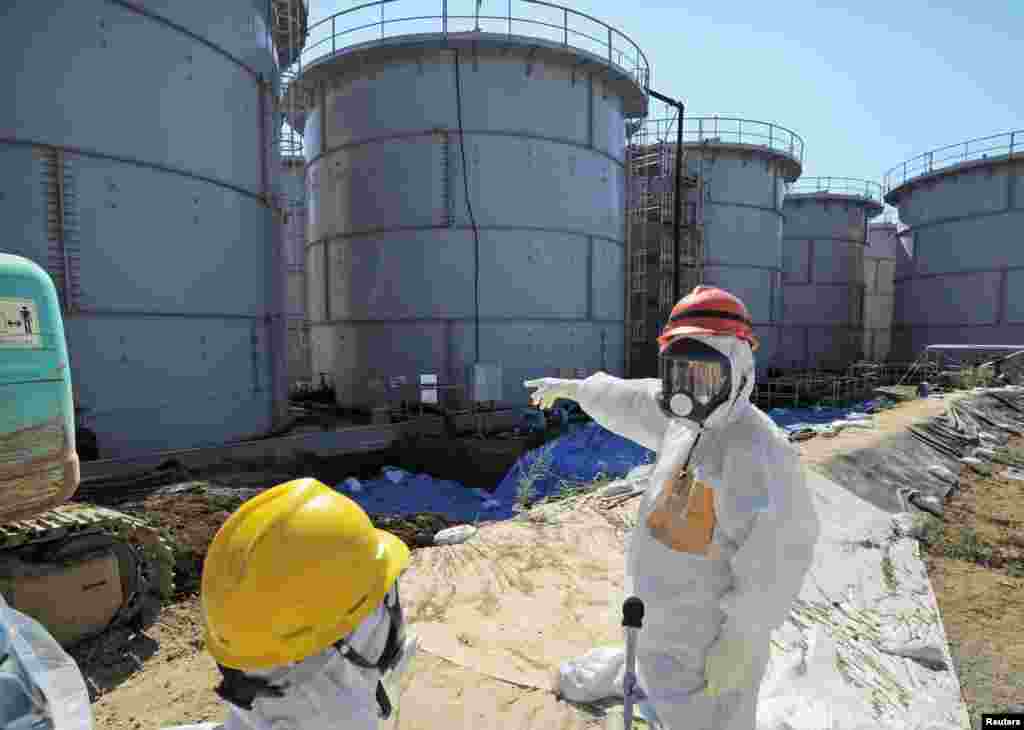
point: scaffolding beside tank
(964, 205)
(650, 204)
(158, 222)
(744, 167)
(825, 237)
(407, 279)
(293, 183)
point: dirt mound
(189, 520)
(163, 677)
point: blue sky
(866, 87)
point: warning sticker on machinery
(19, 323)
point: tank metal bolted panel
(138, 167)
(964, 205)
(293, 182)
(390, 255)
(826, 234)
(745, 166)
(880, 261)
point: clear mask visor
(701, 380)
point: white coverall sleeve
(772, 561)
(626, 407)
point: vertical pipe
(590, 278)
(565, 26)
(510, 17)
(677, 222)
(322, 105)
(334, 37)
(627, 339)
(276, 325)
(261, 110)
(591, 121)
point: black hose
(1006, 402)
(472, 218)
(933, 443)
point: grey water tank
(964, 205)
(746, 166)
(293, 184)
(137, 165)
(825, 236)
(391, 251)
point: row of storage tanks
(200, 272)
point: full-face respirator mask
(696, 379)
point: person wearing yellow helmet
(301, 611)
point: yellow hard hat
(292, 571)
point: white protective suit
(41, 687)
(721, 594)
(326, 691)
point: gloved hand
(729, 664)
(551, 389)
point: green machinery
(77, 569)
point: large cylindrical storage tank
(824, 239)
(880, 258)
(746, 166)
(964, 205)
(137, 166)
(293, 184)
(391, 258)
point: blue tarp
(585, 452)
(416, 493)
(581, 455)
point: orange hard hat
(708, 311)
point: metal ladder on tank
(289, 22)
(643, 165)
(63, 249)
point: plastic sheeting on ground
(922, 465)
(863, 648)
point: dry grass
(975, 561)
